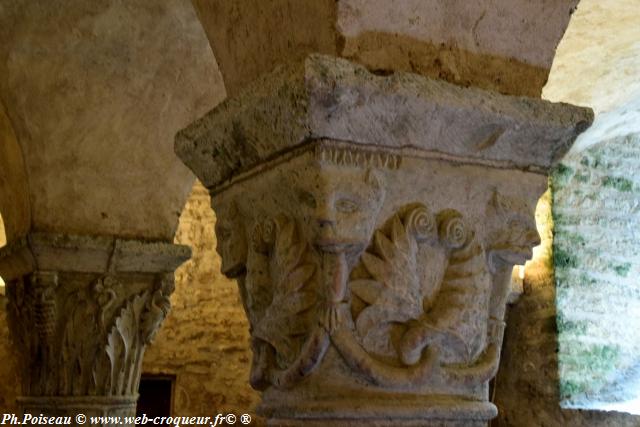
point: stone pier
(372, 223)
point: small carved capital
(82, 329)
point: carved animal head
(514, 233)
(340, 205)
(231, 240)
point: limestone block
(372, 224)
(334, 98)
(501, 45)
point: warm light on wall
(3, 241)
(542, 259)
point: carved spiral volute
(421, 223)
(452, 229)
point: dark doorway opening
(156, 395)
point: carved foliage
(404, 304)
(394, 290)
(83, 340)
(286, 320)
(410, 263)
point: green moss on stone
(581, 178)
(574, 239)
(563, 259)
(587, 281)
(569, 389)
(561, 174)
(575, 327)
(600, 358)
(622, 269)
(617, 182)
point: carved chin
(513, 255)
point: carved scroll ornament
(406, 304)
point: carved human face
(340, 205)
(231, 241)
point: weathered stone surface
(81, 326)
(95, 92)
(250, 38)
(204, 341)
(332, 98)
(529, 362)
(504, 45)
(601, 46)
(370, 264)
(596, 215)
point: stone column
(81, 311)
(372, 224)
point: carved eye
(346, 206)
(307, 198)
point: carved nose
(324, 216)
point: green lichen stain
(587, 281)
(571, 326)
(574, 239)
(561, 174)
(570, 388)
(598, 359)
(581, 178)
(562, 258)
(619, 183)
(623, 269)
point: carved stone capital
(81, 310)
(372, 224)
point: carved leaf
(123, 343)
(367, 290)
(283, 322)
(394, 292)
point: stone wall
(527, 389)
(596, 193)
(204, 342)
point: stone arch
(500, 45)
(94, 110)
